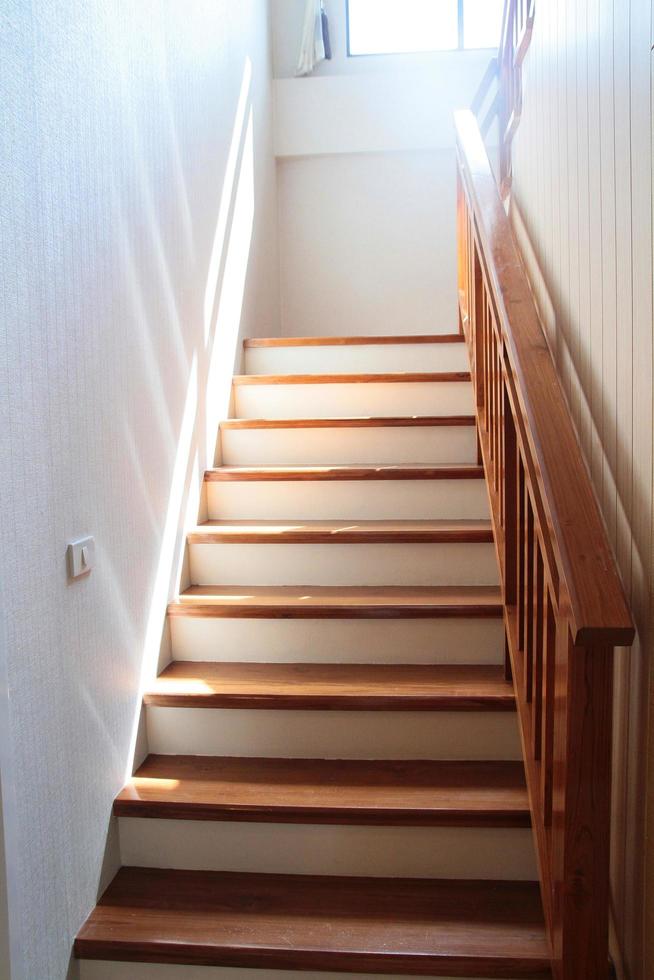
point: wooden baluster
(487, 367)
(511, 516)
(469, 271)
(549, 654)
(493, 408)
(520, 552)
(538, 653)
(502, 464)
(508, 670)
(529, 599)
(498, 438)
(493, 395)
(461, 256)
(477, 301)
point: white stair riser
(343, 564)
(356, 359)
(474, 735)
(314, 849)
(388, 641)
(350, 500)
(378, 399)
(102, 970)
(396, 445)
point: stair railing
(564, 605)
(506, 71)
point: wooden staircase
(335, 782)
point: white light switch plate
(81, 556)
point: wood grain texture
(404, 793)
(585, 563)
(332, 602)
(427, 377)
(354, 422)
(342, 687)
(282, 473)
(565, 607)
(447, 338)
(417, 927)
(340, 532)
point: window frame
(460, 4)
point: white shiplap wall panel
(582, 207)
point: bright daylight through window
(412, 26)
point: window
(412, 26)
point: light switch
(81, 555)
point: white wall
(128, 230)
(366, 172)
(583, 190)
(7, 831)
(364, 244)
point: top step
(380, 339)
(355, 355)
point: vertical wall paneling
(582, 206)
(641, 19)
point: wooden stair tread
(335, 532)
(463, 928)
(345, 341)
(338, 602)
(388, 377)
(352, 422)
(344, 472)
(402, 793)
(422, 687)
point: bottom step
(104, 970)
(362, 925)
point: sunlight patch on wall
(226, 198)
(170, 543)
(230, 302)
(223, 309)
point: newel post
(581, 810)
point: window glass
(482, 23)
(402, 26)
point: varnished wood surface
(405, 377)
(402, 687)
(565, 608)
(294, 473)
(342, 532)
(334, 602)
(447, 338)
(404, 793)
(438, 928)
(598, 608)
(353, 422)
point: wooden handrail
(565, 608)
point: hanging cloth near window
(325, 32)
(313, 49)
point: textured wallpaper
(137, 242)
